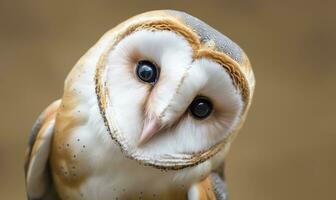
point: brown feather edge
(45, 116)
(205, 189)
(174, 25)
(42, 118)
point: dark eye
(200, 107)
(147, 71)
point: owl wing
(37, 174)
(211, 188)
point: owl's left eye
(147, 71)
(201, 107)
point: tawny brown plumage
(84, 147)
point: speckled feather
(76, 150)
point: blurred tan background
(287, 148)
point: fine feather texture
(94, 149)
(181, 80)
(38, 178)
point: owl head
(171, 90)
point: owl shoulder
(37, 153)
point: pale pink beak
(150, 128)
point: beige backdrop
(287, 147)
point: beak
(150, 128)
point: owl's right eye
(147, 71)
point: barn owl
(149, 112)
